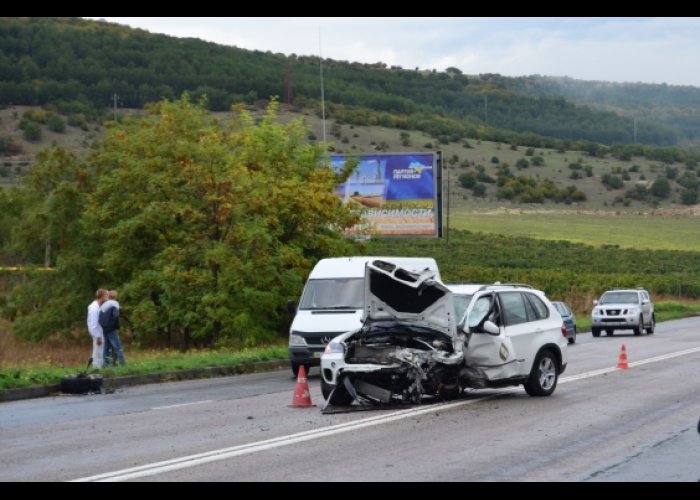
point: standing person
(109, 320)
(94, 328)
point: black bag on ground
(82, 382)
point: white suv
(628, 309)
(412, 346)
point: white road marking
(182, 404)
(268, 444)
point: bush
(32, 131)
(56, 124)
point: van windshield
(334, 293)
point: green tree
(208, 230)
(48, 232)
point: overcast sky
(650, 50)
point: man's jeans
(113, 349)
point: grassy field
(627, 230)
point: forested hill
(79, 65)
(674, 105)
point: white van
(333, 302)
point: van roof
(354, 267)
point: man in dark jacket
(109, 321)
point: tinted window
(514, 309)
(540, 308)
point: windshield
(334, 293)
(461, 303)
(619, 298)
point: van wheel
(595, 332)
(652, 325)
(544, 375)
(295, 369)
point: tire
(640, 327)
(544, 375)
(652, 325)
(295, 369)
(595, 332)
(326, 388)
(572, 340)
(81, 384)
(340, 398)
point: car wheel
(652, 325)
(572, 340)
(595, 332)
(326, 388)
(543, 377)
(340, 396)
(640, 327)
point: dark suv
(627, 309)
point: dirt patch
(693, 211)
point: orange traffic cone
(622, 361)
(302, 398)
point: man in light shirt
(94, 328)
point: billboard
(396, 194)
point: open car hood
(395, 294)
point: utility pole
(486, 109)
(323, 100)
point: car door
(522, 324)
(493, 354)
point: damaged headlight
(335, 347)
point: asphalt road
(601, 424)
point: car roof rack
(499, 284)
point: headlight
(295, 339)
(335, 347)
(596, 312)
(633, 310)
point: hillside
(613, 183)
(79, 66)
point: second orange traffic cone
(302, 398)
(622, 361)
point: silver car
(623, 309)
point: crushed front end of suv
(412, 347)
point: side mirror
(645, 302)
(595, 302)
(291, 307)
(491, 328)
